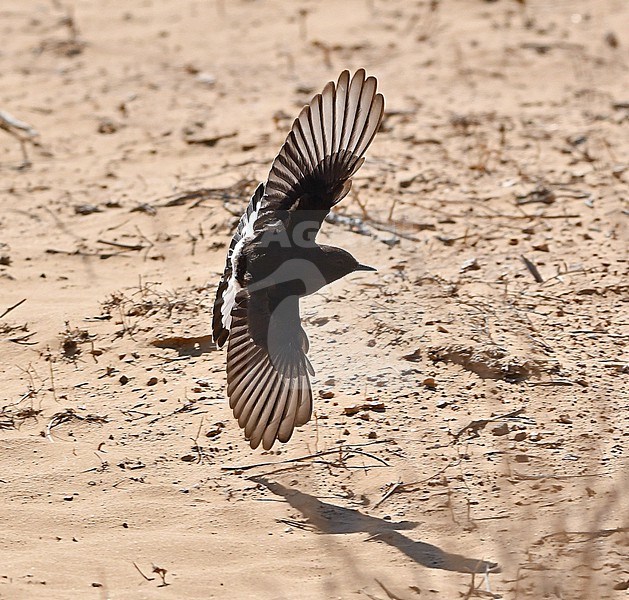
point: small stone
(68, 498)
(471, 264)
(191, 69)
(612, 41)
(107, 126)
(520, 436)
(86, 209)
(502, 429)
(353, 409)
(326, 394)
(521, 458)
(372, 435)
(216, 430)
(430, 383)
(123, 380)
(206, 79)
(152, 381)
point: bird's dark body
(295, 270)
(274, 259)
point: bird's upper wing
(229, 286)
(311, 173)
(323, 150)
(267, 368)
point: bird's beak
(364, 268)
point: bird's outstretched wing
(324, 148)
(229, 286)
(267, 368)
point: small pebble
(430, 383)
(501, 429)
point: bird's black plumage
(273, 259)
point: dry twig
(140, 572)
(8, 310)
(475, 426)
(67, 415)
(407, 487)
(532, 269)
(349, 449)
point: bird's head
(338, 262)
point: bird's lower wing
(267, 369)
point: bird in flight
(273, 259)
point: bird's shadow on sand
(332, 519)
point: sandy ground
(470, 438)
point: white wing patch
(229, 298)
(233, 287)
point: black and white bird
(273, 259)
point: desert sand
(471, 418)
